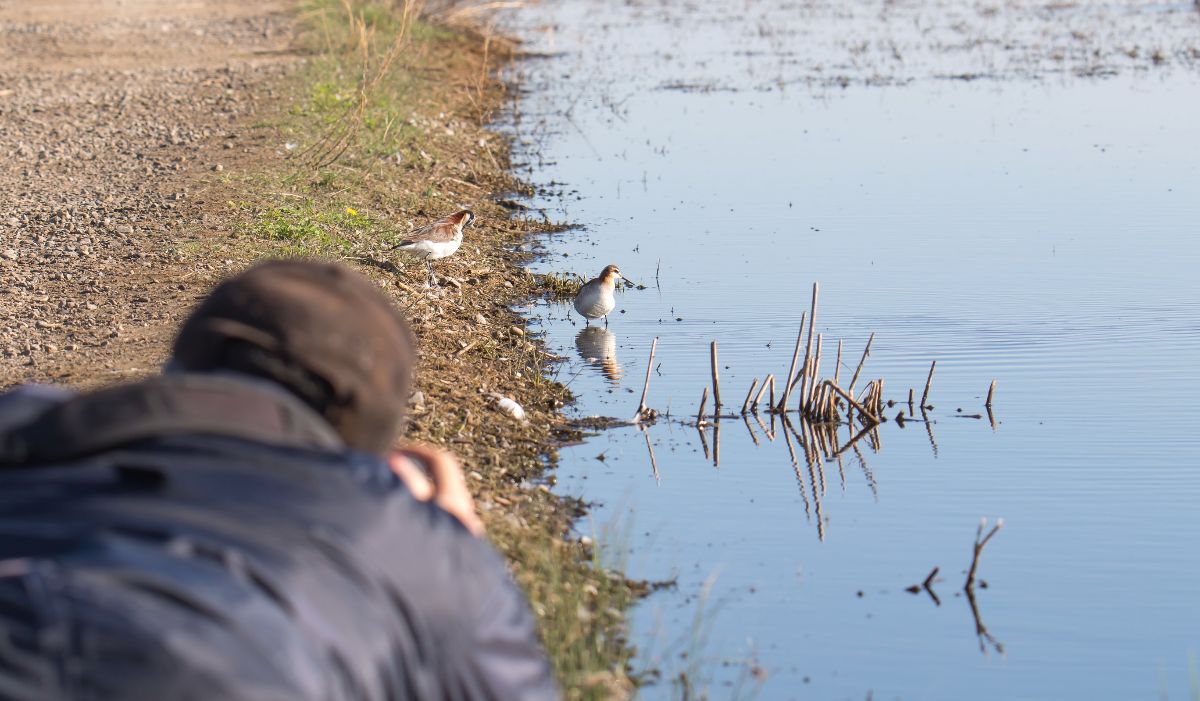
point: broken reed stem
(813, 372)
(819, 405)
(928, 381)
(929, 580)
(851, 401)
(879, 397)
(910, 401)
(802, 380)
(866, 352)
(980, 541)
(703, 403)
(991, 391)
(771, 399)
(716, 379)
(808, 345)
(746, 403)
(837, 365)
(762, 390)
(646, 386)
(787, 387)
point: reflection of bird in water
(598, 347)
(595, 299)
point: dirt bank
(108, 112)
(155, 147)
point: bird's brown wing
(440, 231)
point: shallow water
(1041, 233)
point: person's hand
(436, 475)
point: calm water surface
(1039, 232)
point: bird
(437, 240)
(595, 299)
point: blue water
(1042, 233)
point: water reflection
(1075, 209)
(598, 347)
(810, 447)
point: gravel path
(111, 112)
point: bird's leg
(429, 266)
(606, 321)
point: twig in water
(746, 404)
(643, 412)
(716, 380)
(812, 324)
(703, 403)
(850, 400)
(761, 391)
(991, 391)
(837, 365)
(802, 380)
(928, 381)
(981, 631)
(927, 585)
(929, 580)
(866, 352)
(980, 541)
(810, 399)
(808, 345)
(771, 399)
(910, 401)
(787, 387)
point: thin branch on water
(716, 378)
(928, 382)
(981, 541)
(645, 413)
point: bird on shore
(595, 299)
(437, 240)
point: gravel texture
(111, 114)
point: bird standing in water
(437, 240)
(595, 299)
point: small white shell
(509, 406)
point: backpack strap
(171, 404)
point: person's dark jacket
(208, 537)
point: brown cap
(321, 330)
